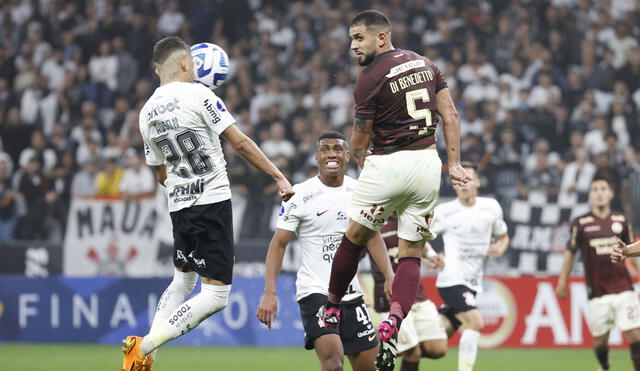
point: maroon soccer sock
(635, 355)
(343, 269)
(409, 365)
(405, 286)
(602, 353)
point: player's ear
(155, 69)
(347, 154)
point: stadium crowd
(548, 93)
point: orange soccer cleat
(134, 359)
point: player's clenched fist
(619, 252)
(459, 175)
(285, 190)
(267, 309)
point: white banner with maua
(114, 237)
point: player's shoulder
(583, 219)
(349, 183)
(447, 207)
(489, 203)
(617, 216)
(305, 189)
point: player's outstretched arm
(451, 120)
(499, 246)
(250, 151)
(378, 251)
(268, 306)
(160, 172)
(360, 139)
(565, 271)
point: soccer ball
(210, 64)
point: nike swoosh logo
(371, 337)
(321, 212)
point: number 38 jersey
(398, 91)
(180, 125)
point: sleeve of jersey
(363, 95)
(574, 238)
(499, 225)
(289, 215)
(213, 111)
(440, 81)
(152, 153)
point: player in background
(397, 97)
(422, 333)
(317, 214)
(180, 125)
(472, 228)
(612, 301)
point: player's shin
(186, 317)
(602, 354)
(343, 269)
(468, 349)
(635, 355)
(180, 287)
(405, 286)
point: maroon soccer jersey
(398, 91)
(390, 234)
(595, 238)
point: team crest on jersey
(341, 216)
(616, 228)
(281, 213)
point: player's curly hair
(166, 46)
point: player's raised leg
(472, 324)
(633, 338)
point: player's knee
(434, 349)
(412, 355)
(332, 364)
(600, 345)
(476, 324)
(218, 296)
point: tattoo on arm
(360, 125)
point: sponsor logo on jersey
(603, 245)
(190, 189)
(311, 196)
(214, 115)
(585, 220)
(341, 216)
(287, 212)
(199, 262)
(371, 218)
(159, 109)
(318, 213)
(281, 213)
(618, 218)
(592, 228)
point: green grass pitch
(49, 357)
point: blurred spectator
(170, 20)
(578, 174)
(594, 139)
(277, 144)
(84, 181)
(39, 151)
(138, 179)
(32, 185)
(103, 69)
(127, 66)
(108, 180)
(8, 201)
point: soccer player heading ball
(612, 301)
(180, 125)
(396, 96)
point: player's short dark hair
(469, 165)
(603, 176)
(372, 17)
(332, 135)
(166, 46)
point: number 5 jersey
(180, 125)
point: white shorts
(605, 312)
(407, 182)
(423, 323)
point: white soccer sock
(468, 349)
(174, 295)
(186, 317)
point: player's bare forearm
(502, 243)
(632, 250)
(567, 265)
(250, 151)
(160, 172)
(451, 125)
(378, 251)
(360, 139)
(273, 262)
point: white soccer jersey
(466, 232)
(318, 216)
(180, 125)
